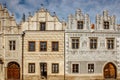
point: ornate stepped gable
(104, 20)
(80, 18)
(43, 15)
(8, 24)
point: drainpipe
(23, 34)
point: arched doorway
(110, 71)
(13, 71)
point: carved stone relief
(84, 43)
(102, 43)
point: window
(31, 68)
(42, 26)
(55, 68)
(110, 43)
(31, 45)
(12, 45)
(93, 43)
(106, 25)
(90, 68)
(55, 46)
(75, 43)
(43, 46)
(75, 68)
(80, 24)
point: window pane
(75, 68)
(43, 46)
(80, 24)
(42, 26)
(12, 45)
(55, 68)
(75, 43)
(110, 43)
(31, 46)
(90, 68)
(54, 46)
(93, 43)
(106, 25)
(31, 67)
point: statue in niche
(84, 43)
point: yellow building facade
(43, 52)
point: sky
(63, 8)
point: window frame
(106, 24)
(93, 43)
(74, 44)
(29, 46)
(76, 70)
(113, 44)
(40, 46)
(12, 45)
(31, 67)
(55, 67)
(80, 24)
(57, 45)
(41, 27)
(91, 67)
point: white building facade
(92, 50)
(10, 46)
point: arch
(110, 70)
(13, 70)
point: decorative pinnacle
(5, 5)
(41, 5)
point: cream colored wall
(49, 56)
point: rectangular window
(106, 25)
(80, 24)
(93, 43)
(43, 46)
(55, 68)
(75, 68)
(31, 45)
(31, 68)
(110, 43)
(75, 43)
(55, 46)
(12, 44)
(42, 26)
(90, 68)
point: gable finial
(42, 5)
(30, 14)
(5, 5)
(54, 13)
(23, 17)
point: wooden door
(13, 71)
(43, 68)
(110, 71)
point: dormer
(105, 22)
(79, 21)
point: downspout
(23, 54)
